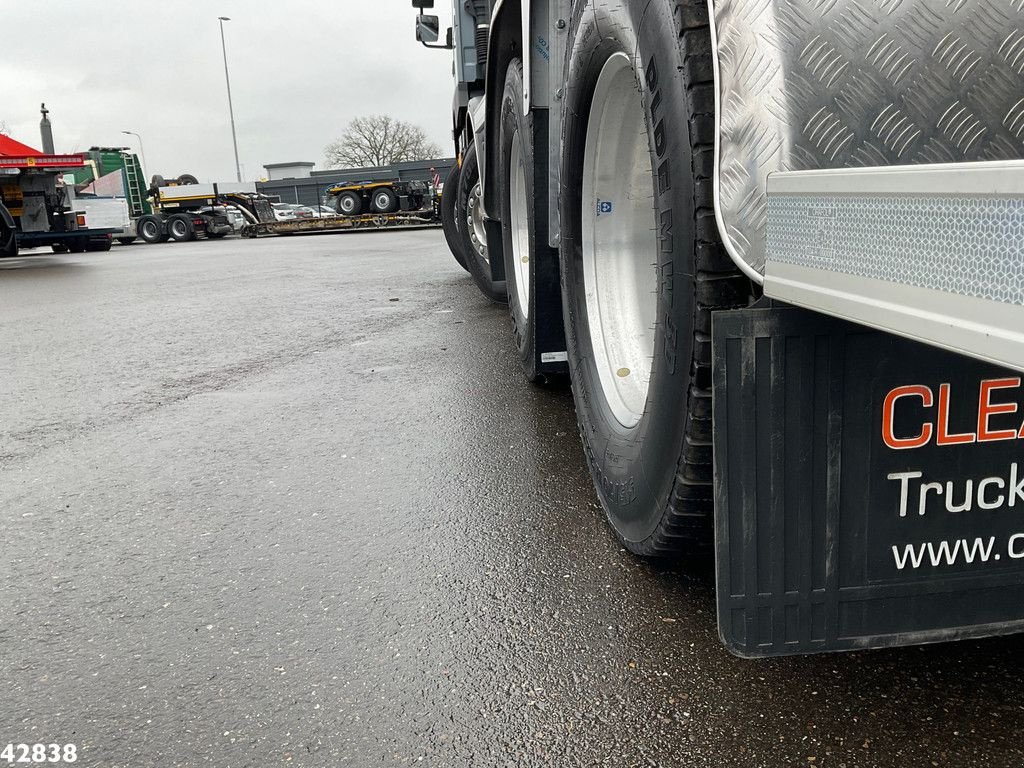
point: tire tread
(687, 522)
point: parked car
(234, 216)
(283, 211)
(302, 211)
(324, 211)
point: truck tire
(448, 221)
(60, 248)
(181, 228)
(8, 241)
(349, 204)
(151, 229)
(186, 178)
(642, 265)
(126, 240)
(515, 184)
(100, 244)
(469, 214)
(384, 200)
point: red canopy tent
(14, 154)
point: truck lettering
(966, 505)
(998, 501)
(1015, 546)
(990, 415)
(656, 102)
(1016, 485)
(652, 74)
(943, 435)
(888, 410)
(665, 272)
(945, 553)
(666, 240)
(670, 344)
(904, 478)
(986, 409)
(618, 492)
(665, 231)
(664, 177)
(666, 269)
(659, 138)
(987, 493)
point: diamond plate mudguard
(869, 490)
(813, 84)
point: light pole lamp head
(223, 18)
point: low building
(298, 170)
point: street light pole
(142, 149)
(231, 109)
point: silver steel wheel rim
(178, 228)
(475, 220)
(519, 224)
(149, 229)
(620, 276)
(383, 201)
(347, 204)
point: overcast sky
(299, 72)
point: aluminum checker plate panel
(812, 84)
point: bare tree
(4, 129)
(376, 140)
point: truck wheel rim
(178, 229)
(475, 220)
(149, 229)
(383, 201)
(519, 224)
(347, 205)
(620, 278)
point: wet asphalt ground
(288, 502)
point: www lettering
(935, 554)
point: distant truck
(36, 209)
(164, 209)
(184, 210)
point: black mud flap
(550, 347)
(869, 490)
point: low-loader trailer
(378, 197)
(778, 250)
(412, 219)
(361, 206)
